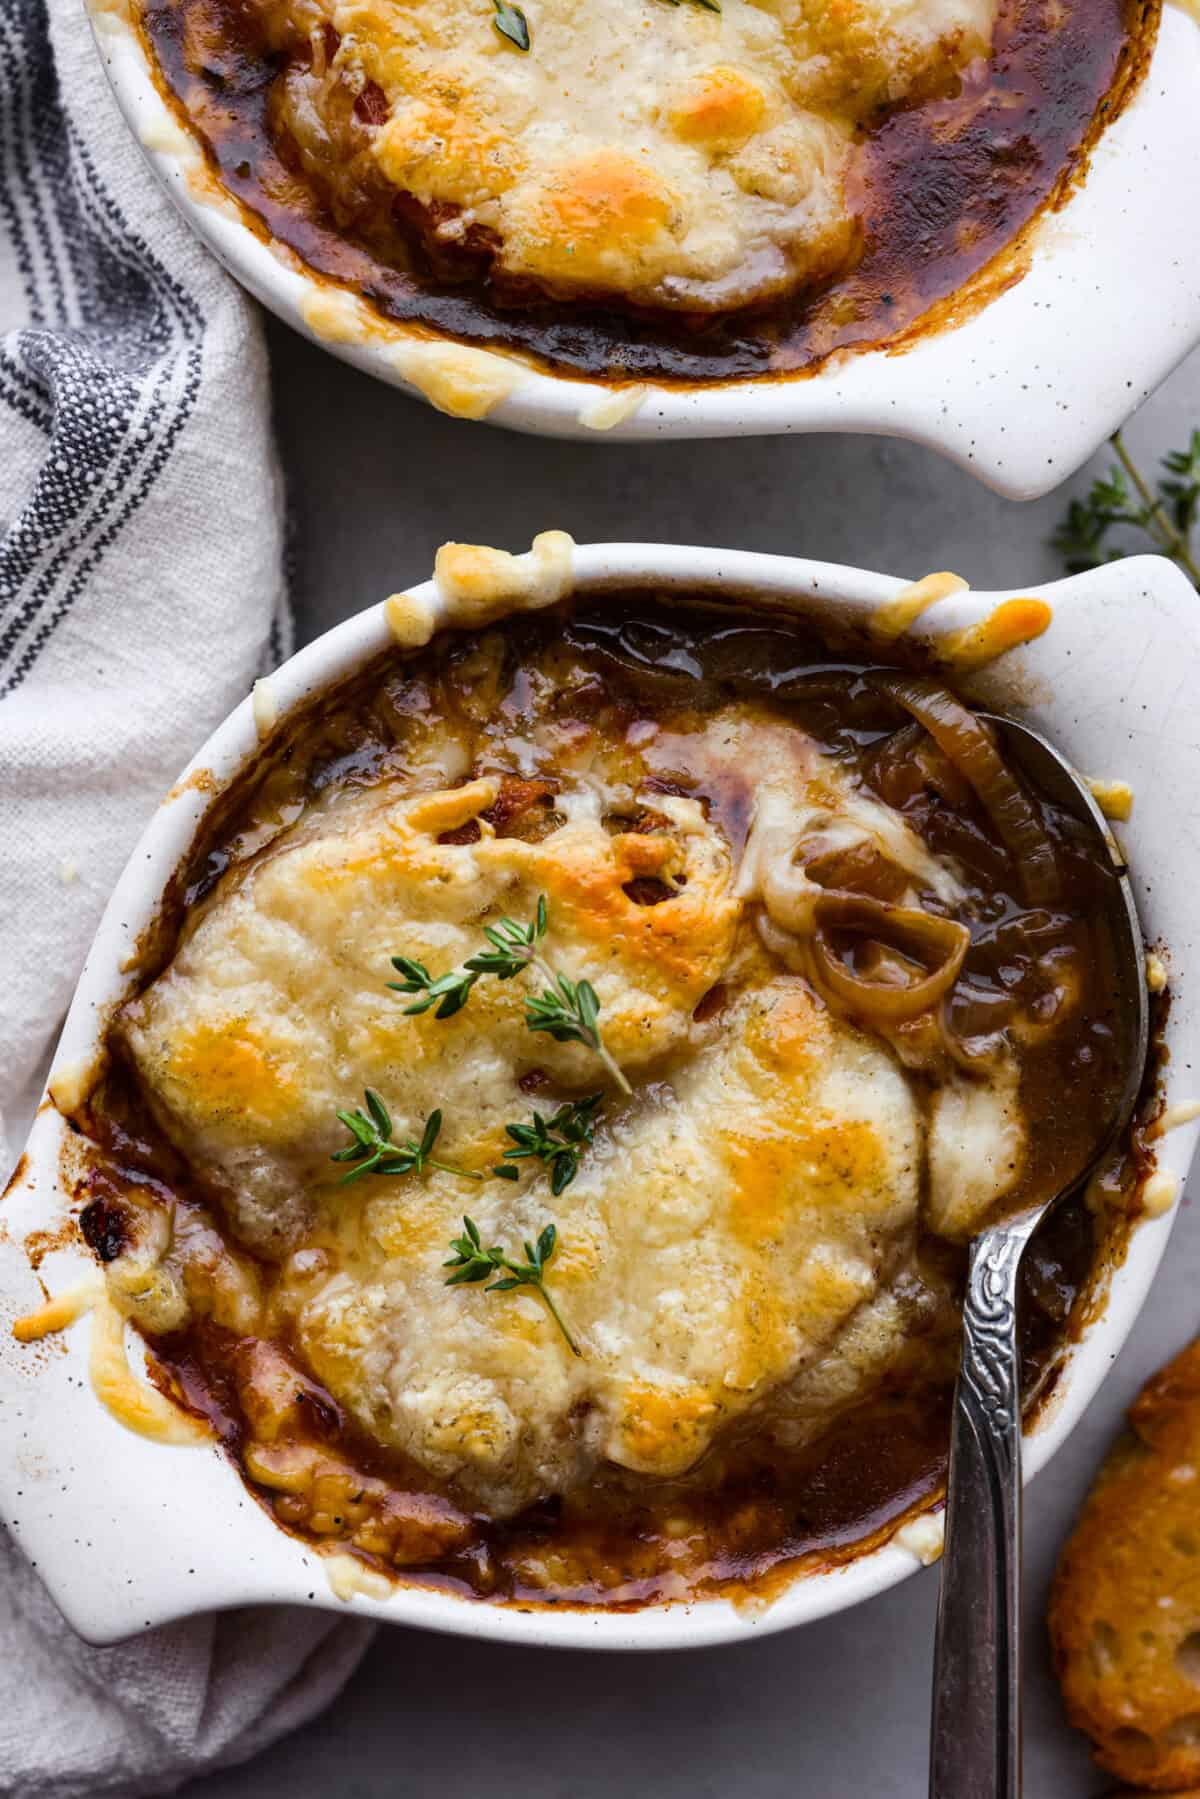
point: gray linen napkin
(140, 592)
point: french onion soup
(562, 1082)
(648, 188)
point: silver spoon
(975, 1750)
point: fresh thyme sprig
(511, 23)
(372, 1151)
(559, 1142)
(450, 989)
(513, 948)
(567, 1010)
(473, 1263)
(1124, 500)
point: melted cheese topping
(476, 584)
(893, 618)
(924, 1537)
(672, 155)
(1114, 798)
(1160, 1193)
(139, 1407)
(1006, 627)
(59, 1312)
(465, 383)
(742, 1235)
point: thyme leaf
(450, 989)
(514, 945)
(473, 1264)
(372, 1150)
(559, 1142)
(511, 23)
(567, 1010)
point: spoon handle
(975, 1750)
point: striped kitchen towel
(141, 590)
(140, 563)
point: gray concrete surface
(837, 1710)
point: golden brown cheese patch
(842, 1163)
(237, 1072)
(442, 152)
(664, 1428)
(1007, 627)
(1125, 1606)
(139, 1407)
(595, 218)
(720, 107)
(1114, 798)
(58, 1312)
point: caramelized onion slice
(966, 742)
(938, 945)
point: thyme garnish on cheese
(566, 1010)
(559, 1142)
(514, 947)
(372, 1150)
(473, 1263)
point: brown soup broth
(751, 1514)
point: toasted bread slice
(1125, 1604)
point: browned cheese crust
(1125, 1606)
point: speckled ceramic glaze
(126, 1532)
(1021, 394)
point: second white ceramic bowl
(1021, 394)
(128, 1533)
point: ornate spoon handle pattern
(976, 1738)
(975, 1752)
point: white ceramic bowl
(1021, 394)
(127, 1533)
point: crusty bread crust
(1125, 1605)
